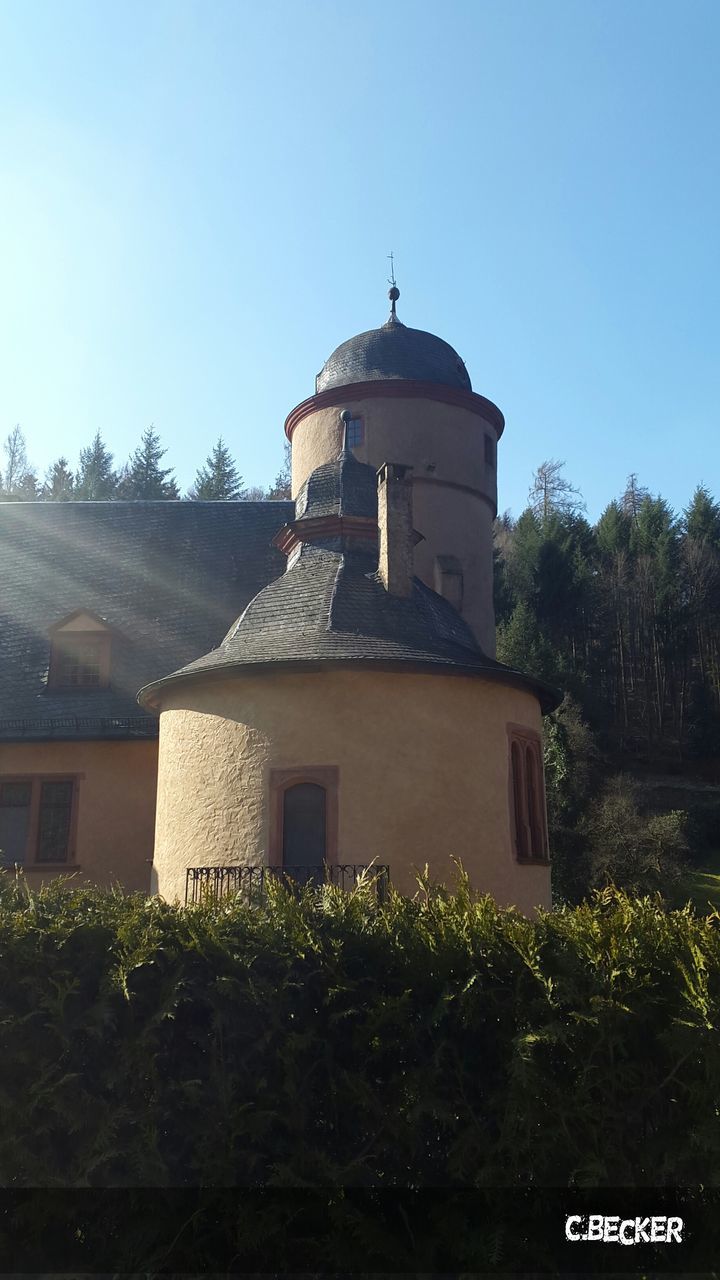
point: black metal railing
(213, 884)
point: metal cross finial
(393, 292)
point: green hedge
(328, 1042)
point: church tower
(409, 400)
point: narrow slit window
(54, 821)
(355, 433)
(518, 797)
(527, 798)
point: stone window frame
(35, 780)
(60, 639)
(280, 780)
(490, 447)
(528, 807)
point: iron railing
(213, 884)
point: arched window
(304, 825)
(527, 795)
(303, 817)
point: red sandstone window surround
(527, 795)
(303, 804)
(38, 820)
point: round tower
(349, 717)
(410, 400)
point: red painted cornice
(397, 388)
(291, 535)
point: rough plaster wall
(423, 763)
(116, 805)
(454, 521)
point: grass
(702, 884)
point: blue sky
(198, 199)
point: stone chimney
(395, 525)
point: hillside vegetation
(624, 617)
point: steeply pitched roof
(167, 577)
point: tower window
(355, 433)
(490, 450)
(527, 795)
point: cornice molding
(397, 389)
(333, 526)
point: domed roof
(393, 352)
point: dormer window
(79, 653)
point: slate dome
(393, 352)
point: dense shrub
(326, 1041)
(640, 852)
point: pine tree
(18, 482)
(96, 480)
(521, 644)
(143, 478)
(59, 482)
(702, 518)
(218, 480)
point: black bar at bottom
(353, 1232)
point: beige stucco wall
(423, 773)
(454, 489)
(115, 806)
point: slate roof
(331, 607)
(344, 487)
(167, 577)
(390, 352)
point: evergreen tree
(144, 479)
(702, 518)
(59, 482)
(18, 481)
(521, 644)
(218, 480)
(96, 480)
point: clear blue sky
(197, 201)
